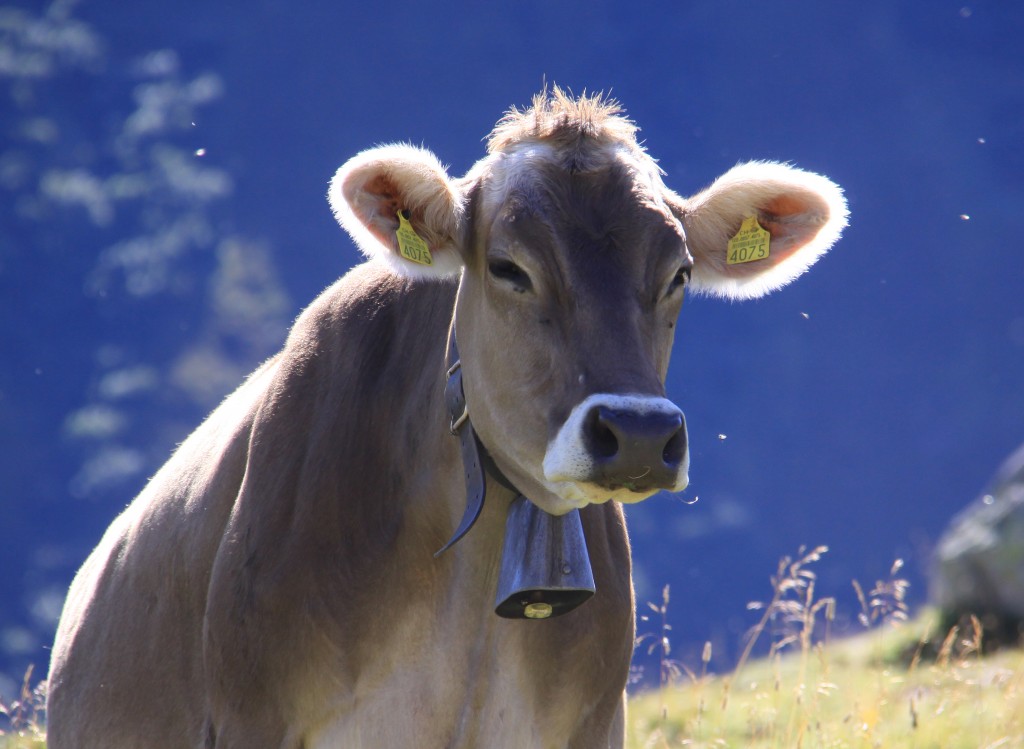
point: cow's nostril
(675, 448)
(601, 440)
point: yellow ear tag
(410, 244)
(749, 244)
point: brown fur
(574, 127)
(285, 581)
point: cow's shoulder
(366, 306)
(343, 431)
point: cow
(277, 583)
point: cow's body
(275, 585)
(375, 643)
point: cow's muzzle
(623, 444)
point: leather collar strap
(476, 461)
(545, 568)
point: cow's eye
(680, 279)
(509, 272)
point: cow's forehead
(530, 169)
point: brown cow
(275, 584)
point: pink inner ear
(385, 203)
(383, 190)
(378, 207)
(786, 205)
(793, 220)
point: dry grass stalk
(25, 715)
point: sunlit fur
(713, 216)
(563, 122)
(419, 184)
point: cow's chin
(565, 496)
(561, 497)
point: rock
(979, 561)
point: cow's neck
(545, 565)
(434, 488)
(377, 503)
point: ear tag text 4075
(749, 244)
(410, 244)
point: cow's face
(574, 266)
(573, 281)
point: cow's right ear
(399, 205)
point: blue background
(163, 168)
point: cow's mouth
(577, 495)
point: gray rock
(979, 561)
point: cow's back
(129, 644)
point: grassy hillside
(898, 684)
(874, 690)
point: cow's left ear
(802, 212)
(399, 205)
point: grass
(848, 694)
(900, 684)
(24, 717)
(895, 685)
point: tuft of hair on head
(562, 119)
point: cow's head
(574, 258)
